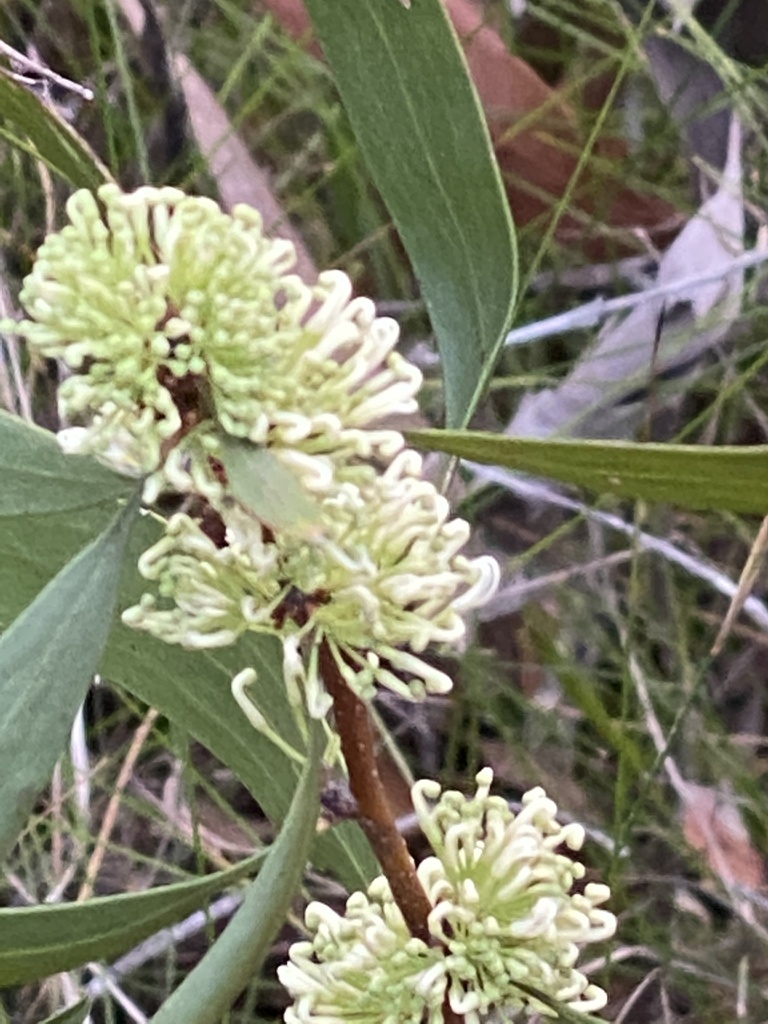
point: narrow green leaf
(38, 479)
(38, 941)
(73, 1015)
(694, 476)
(237, 955)
(260, 481)
(48, 136)
(47, 659)
(405, 85)
(51, 506)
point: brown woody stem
(355, 729)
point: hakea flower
(503, 915)
(171, 312)
(363, 966)
(381, 578)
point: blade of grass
(49, 137)
(38, 941)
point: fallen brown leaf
(538, 159)
(712, 825)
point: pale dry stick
(535, 491)
(749, 574)
(56, 894)
(646, 953)
(46, 183)
(666, 1007)
(81, 766)
(655, 731)
(70, 991)
(633, 270)
(57, 841)
(7, 400)
(742, 989)
(79, 757)
(22, 395)
(7, 309)
(110, 816)
(755, 636)
(511, 598)
(37, 68)
(635, 994)
(23, 403)
(182, 822)
(20, 888)
(127, 1004)
(755, 410)
(159, 944)
(591, 314)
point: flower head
(184, 329)
(383, 578)
(363, 966)
(503, 915)
(501, 893)
(171, 312)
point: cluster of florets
(184, 329)
(185, 334)
(506, 928)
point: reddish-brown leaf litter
(538, 142)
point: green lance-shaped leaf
(260, 481)
(405, 85)
(72, 1015)
(51, 506)
(36, 128)
(38, 479)
(47, 659)
(236, 956)
(38, 941)
(694, 476)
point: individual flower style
(503, 916)
(171, 312)
(382, 578)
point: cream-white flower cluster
(170, 312)
(182, 325)
(503, 915)
(385, 579)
